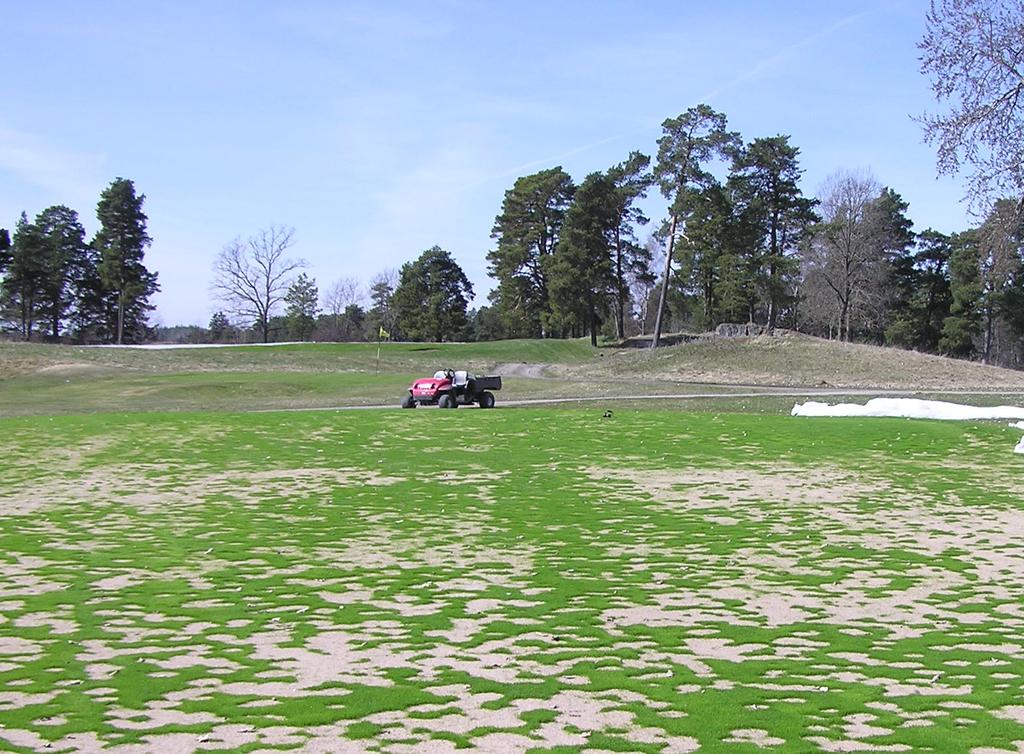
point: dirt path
(759, 393)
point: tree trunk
(987, 353)
(773, 313)
(709, 293)
(592, 316)
(620, 289)
(664, 284)
(120, 316)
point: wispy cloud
(765, 65)
(759, 70)
(72, 178)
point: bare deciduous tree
(345, 292)
(999, 261)
(845, 267)
(973, 50)
(251, 277)
(642, 283)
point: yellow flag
(384, 334)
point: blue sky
(380, 129)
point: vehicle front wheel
(486, 399)
(408, 402)
(446, 401)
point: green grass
(635, 583)
(46, 380)
(300, 357)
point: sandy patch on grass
(180, 488)
(755, 736)
(74, 369)
(693, 489)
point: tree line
(56, 285)
(740, 243)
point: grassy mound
(41, 379)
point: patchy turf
(510, 581)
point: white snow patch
(1017, 425)
(911, 408)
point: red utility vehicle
(450, 389)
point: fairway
(509, 581)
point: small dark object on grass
(607, 414)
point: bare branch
(251, 277)
(344, 293)
(973, 53)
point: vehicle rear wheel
(408, 402)
(486, 399)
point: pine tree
(631, 180)
(765, 180)
(220, 327)
(65, 260)
(431, 298)
(581, 273)
(689, 143)
(24, 287)
(921, 296)
(121, 243)
(301, 300)
(5, 249)
(381, 313)
(527, 231)
(960, 330)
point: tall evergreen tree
(581, 273)
(5, 249)
(765, 179)
(689, 143)
(921, 297)
(527, 231)
(382, 311)
(431, 298)
(630, 179)
(93, 311)
(221, 329)
(24, 286)
(962, 327)
(65, 260)
(121, 243)
(704, 254)
(302, 308)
